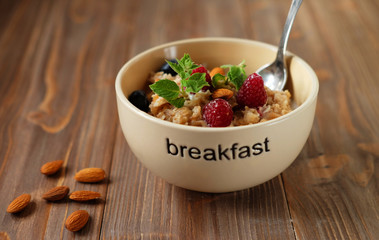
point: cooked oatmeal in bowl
(222, 97)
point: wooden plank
(332, 188)
(58, 103)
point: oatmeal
(218, 98)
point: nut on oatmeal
(222, 93)
(217, 70)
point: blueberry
(138, 98)
(167, 69)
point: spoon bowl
(275, 74)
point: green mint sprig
(194, 83)
(170, 91)
(219, 80)
(236, 74)
(184, 66)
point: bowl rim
(124, 100)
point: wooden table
(58, 62)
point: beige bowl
(216, 159)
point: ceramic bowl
(215, 159)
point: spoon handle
(295, 5)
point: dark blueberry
(167, 69)
(138, 98)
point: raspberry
(208, 78)
(218, 113)
(252, 93)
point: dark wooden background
(58, 63)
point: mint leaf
(176, 67)
(165, 88)
(179, 102)
(170, 91)
(184, 75)
(236, 77)
(184, 66)
(242, 66)
(195, 82)
(218, 80)
(186, 63)
(236, 74)
(226, 66)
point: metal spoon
(275, 74)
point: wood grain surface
(58, 63)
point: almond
(222, 93)
(56, 193)
(82, 196)
(217, 70)
(19, 203)
(90, 175)
(52, 167)
(77, 220)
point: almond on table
(82, 196)
(19, 203)
(90, 175)
(52, 167)
(77, 220)
(56, 193)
